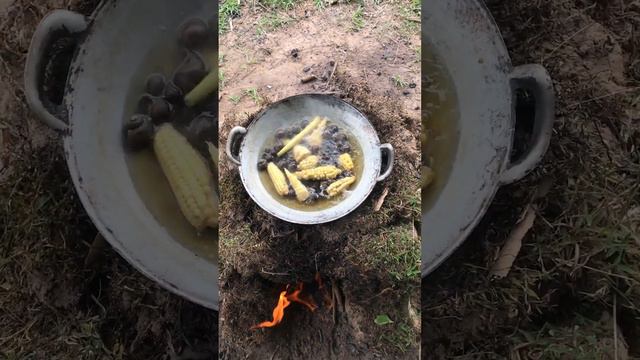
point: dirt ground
(574, 287)
(56, 302)
(370, 57)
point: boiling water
(439, 125)
(147, 175)
(319, 204)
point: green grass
(235, 98)
(357, 19)
(270, 22)
(584, 339)
(401, 336)
(399, 82)
(221, 78)
(416, 6)
(254, 95)
(279, 4)
(228, 9)
(320, 4)
(396, 250)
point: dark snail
(155, 84)
(194, 33)
(139, 131)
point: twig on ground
(273, 273)
(623, 91)
(273, 356)
(333, 71)
(565, 41)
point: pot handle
(235, 135)
(536, 79)
(45, 34)
(386, 149)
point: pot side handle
(536, 79)
(232, 148)
(386, 149)
(48, 31)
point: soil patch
(56, 300)
(577, 275)
(372, 257)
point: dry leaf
(513, 244)
(380, 201)
(511, 248)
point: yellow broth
(439, 125)
(320, 203)
(147, 175)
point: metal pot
(116, 41)
(465, 36)
(245, 145)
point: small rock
(306, 69)
(416, 108)
(406, 92)
(379, 73)
(412, 85)
(294, 53)
(307, 79)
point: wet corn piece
(338, 186)
(345, 162)
(427, 176)
(301, 191)
(301, 135)
(300, 152)
(324, 172)
(308, 163)
(315, 138)
(189, 177)
(278, 179)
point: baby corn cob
(300, 152)
(427, 176)
(278, 179)
(315, 138)
(302, 193)
(308, 163)
(325, 172)
(338, 186)
(190, 179)
(345, 162)
(213, 154)
(296, 139)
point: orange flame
(283, 301)
(295, 296)
(278, 312)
